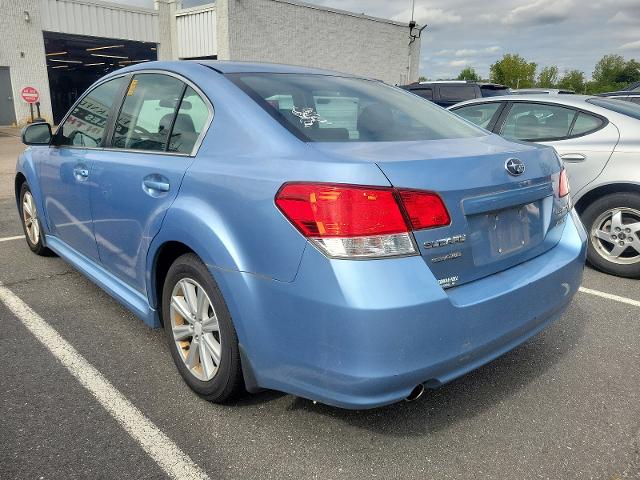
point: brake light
(563, 188)
(353, 221)
(424, 209)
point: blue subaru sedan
(294, 229)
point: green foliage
(548, 77)
(613, 72)
(422, 78)
(573, 80)
(514, 71)
(468, 73)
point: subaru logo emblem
(514, 166)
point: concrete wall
(288, 31)
(22, 50)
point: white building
(60, 47)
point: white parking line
(609, 296)
(8, 239)
(158, 446)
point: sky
(571, 34)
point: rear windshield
(619, 106)
(324, 108)
(491, 91)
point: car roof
(575, 100)
(224, 66)
(452, 82)
(621, 93)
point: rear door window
(480, 114)
(457, 93)
(147, 113)
(537, 121)
(423, 92)
(585, 123)
(192, 118)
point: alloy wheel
(30, 218)
(615, 235)
(195, 329)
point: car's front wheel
(31, 222)
(613, 223)
(201, 336)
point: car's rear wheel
(201, 336)
(31, 222)
(613, 223)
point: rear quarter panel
(225, 210)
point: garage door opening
(74, 62)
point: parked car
(627, 96)
(542, 91)
(301, 230)
(599, 141)
(450, 92)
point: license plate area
(506, 233)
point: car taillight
(353, 221)
(563, 187)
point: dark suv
(450, 92)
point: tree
(513, 71)
(468, 73)
(548, 77)
(607, 73)
(573, 80)
(422, 78)
(630, 73)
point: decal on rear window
(308, 117)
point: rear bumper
(361, 334)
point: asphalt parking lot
(564, 405)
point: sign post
(30, 95)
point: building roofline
(205, 7)
(344, 12)
(113, 6)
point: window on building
(87, 123)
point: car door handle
(155, 185)
(573, 157)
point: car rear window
(324, 108)
(625, 108)
(493, 91)
(457, 93)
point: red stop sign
(30, 94)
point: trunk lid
(497, 219)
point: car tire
(197, 343)
(609, 234)
(31, 222)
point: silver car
(599, 141)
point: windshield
(619, 106)
(323, 108)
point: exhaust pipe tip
(416, 393)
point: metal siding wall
(196, 32)
(98, 19)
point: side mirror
(36, 134)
